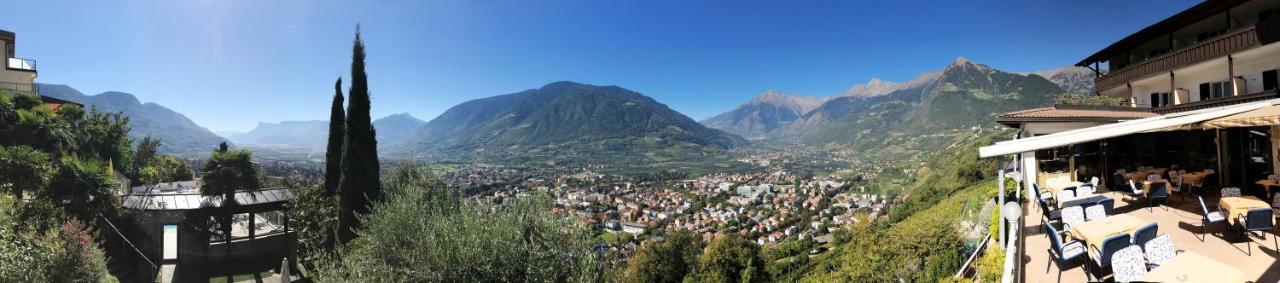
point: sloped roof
(193, 201)
(1073, 114)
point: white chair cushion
(1215, 216)
(1072, 249)
(1128, 265)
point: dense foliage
(41, 250)
(165, 169)
(730, 258)
(426, 232)
(58, 189)
(669, 260)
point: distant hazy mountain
(963, 95)
(314, 134)
(295, 134)
(178, 134)
(1076, 80)
(562, 120)
(394, 128)
(762, 114)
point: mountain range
(565, 120)
(897, 120)
(763, 114)
(313, 134)
(177, 133)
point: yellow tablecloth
(1096, 231)
(1266, 185)
(1239, 206)
(1063, 185)
(1158, 171)
(1193, 267)
(1137, 177)
(1190, 178)
(1146, 186)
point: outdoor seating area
(1123, 236)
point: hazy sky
(231, 64)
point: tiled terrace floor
(1182, 220)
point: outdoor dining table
(1081, 201)
(1193, 177)
(1093, 232)
(1266, 185)
(1058, 187)
(1192, 267)
(1235, 207)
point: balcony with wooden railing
(1220, 46)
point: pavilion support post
(252, 226)
(1000, 202)
(1217, 140)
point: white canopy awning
(1084, 135)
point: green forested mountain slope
(565, 119)
(925, 117)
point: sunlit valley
(584, 142)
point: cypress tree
(360, 181)
(337, 132)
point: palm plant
(83, 188)
(226, 172)
(23, 168)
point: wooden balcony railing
(1258, 96)
(1235, 41)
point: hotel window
(1215, 90)
(1269, 80)
(1161, 99)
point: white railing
(21, 64)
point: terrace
(1181, 221)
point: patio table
(1095, 231)
(1081, 201)
(1266, 185)
(1057, 187)
(1193, 177)
(1192, 267)
(1239, 206)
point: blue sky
(231, 64)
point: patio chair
(1158, 193)
(1063, 252)
(1102, 258)
(1257, 219)
(1159, 250)
(1275, 204)
(1230, 192)
(1175, 183)
(1094, 181)
(1207, 217)
(1108, 204)
(1065, 195)
(1071, 216)
(1145, 234)
(1120, 177)
(1085, 190)
(1128, 265)
(1095, 212)
(1047, 214)
(1134, 191)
